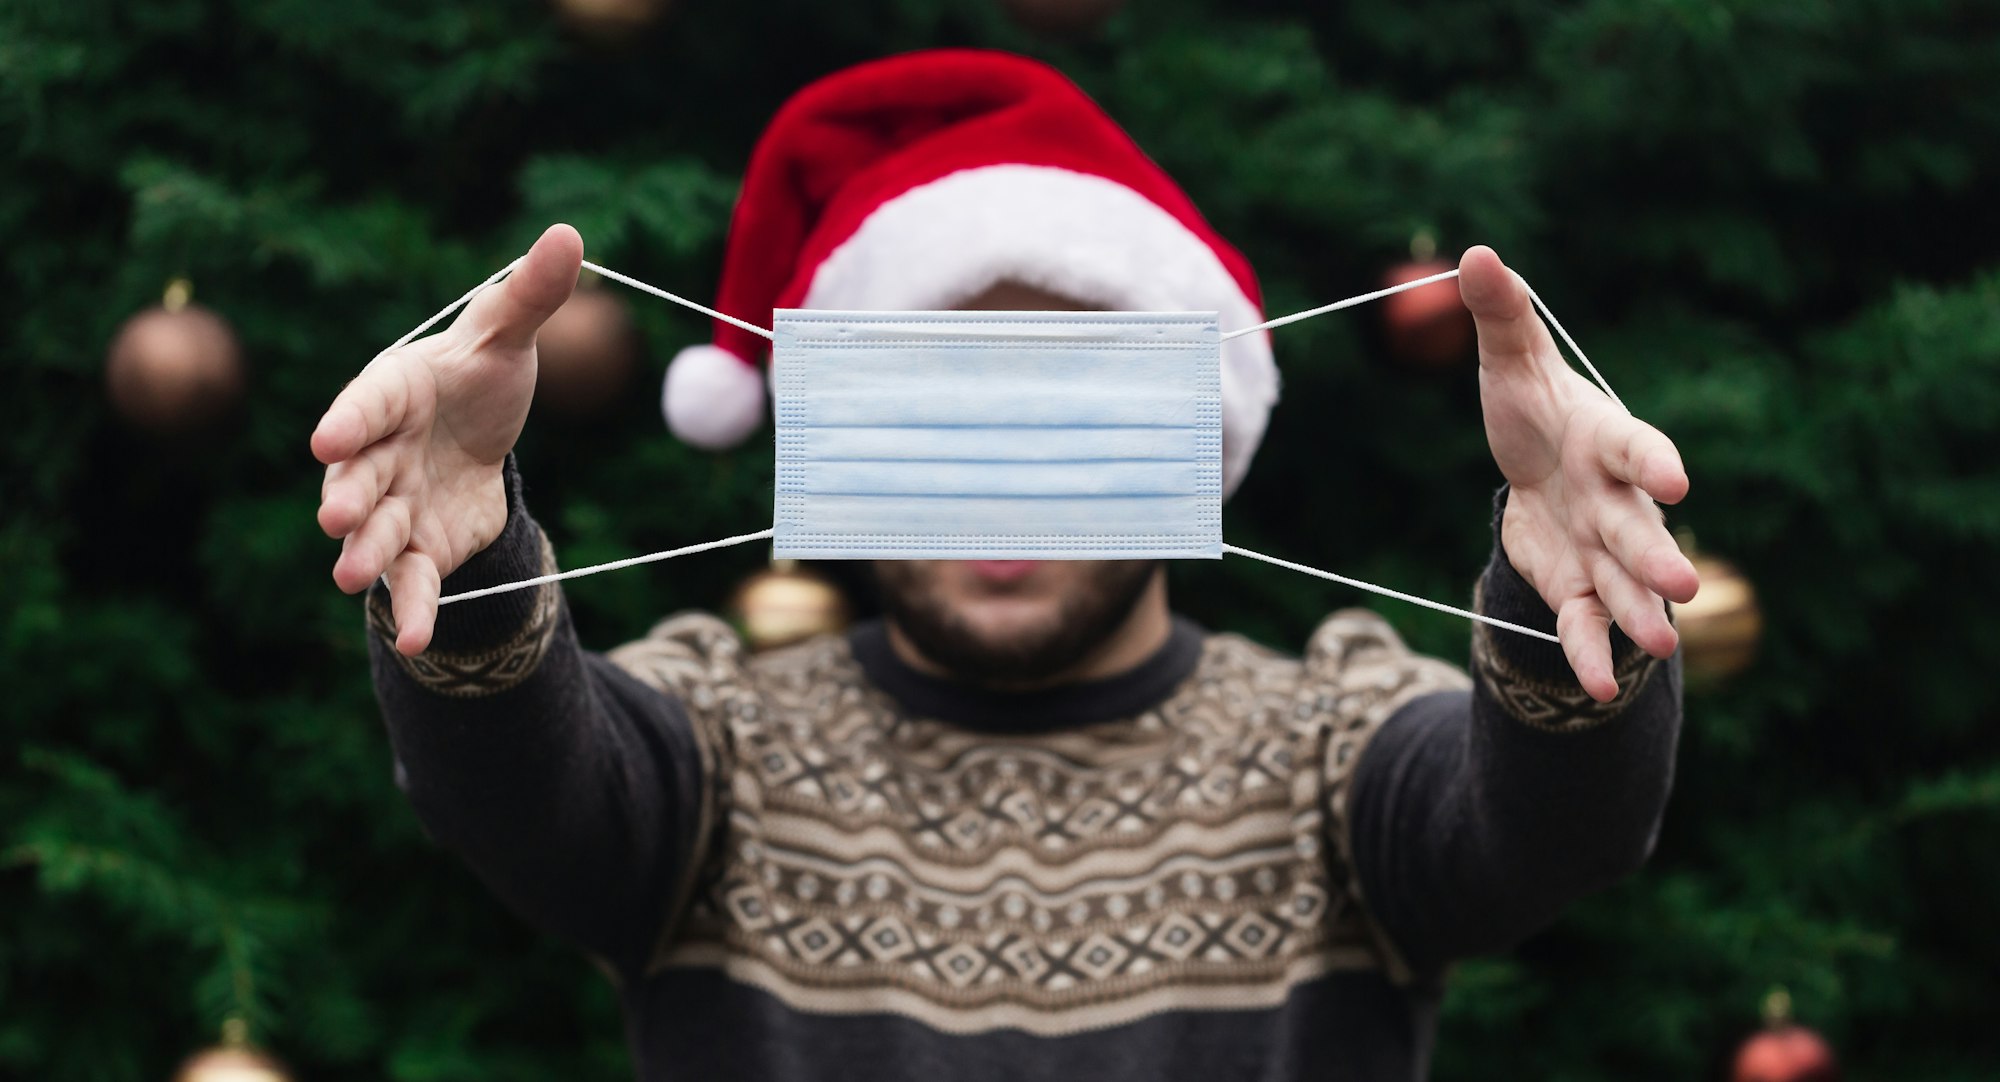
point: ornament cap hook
(1777, 1006)
(1423, 246)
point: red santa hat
(920, 181)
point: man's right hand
(415, 446)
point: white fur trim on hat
(712, 398)
(1073, 234)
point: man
(1031, 824)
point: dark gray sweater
(1226, 863)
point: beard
(1088, 616)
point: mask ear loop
(1364, 298)
(689, 550)
(1439, 277)
(587, 265)
(615, 565)
(1386, 592)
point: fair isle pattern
(1559, 704)
(483, 672)
(1189, 858)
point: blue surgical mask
(966, 435)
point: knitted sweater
(819, 863)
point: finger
(510, 313)
(1640, 612)
(352, 489)
(1637, 538)
(413, 600)
(368, 551)
(1639, 454)
(1584, 626)
(1509, 331)
(366, 410)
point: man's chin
(1014, 635)
(996, 649)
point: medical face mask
(961, 435)
(1039, 435)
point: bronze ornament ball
(174, 368)
(608, 20)
(585, 353)
(1061, 19)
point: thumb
(510, 313)
(1509, 332)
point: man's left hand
(1581, 524)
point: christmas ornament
(234, 1060)
(1720, 627)
(1061, 19)
(786, 604)
(585, 352)
(174, 368)
(609, 19)
(227, 1064)
(1428, 325)
(1784, 1051)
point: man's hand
(414, 446)
(1580, 524)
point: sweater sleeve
(1476, 816)
(571, 789)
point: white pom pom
(1249, 390)
(712, 399)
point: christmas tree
(1769, 224)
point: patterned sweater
(820, 863)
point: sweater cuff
(1531, 678)
(491, 643)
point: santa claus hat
(920, 181)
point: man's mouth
(1001, 572)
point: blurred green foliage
(1770, 223)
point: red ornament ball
(172, 370)
(1785, 1053)
(585, 353)
(1428, 325)
(1061, 19)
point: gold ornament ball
(1721, 626)
(174, 368)
(1061, 19)
(585, 353)
(787, 604)
(231, 1063)
(610, 19)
